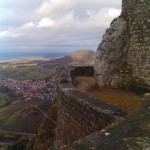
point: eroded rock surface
(110, 53)
(126, 42)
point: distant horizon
(12, 55)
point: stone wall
(138, 12)
(124, 53)
(131, 134)
(84, 123)
(79, 114)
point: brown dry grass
(126, 100)
(84, 83)
(10, 109)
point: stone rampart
(79, 114)
(84, 123)
(132, 133)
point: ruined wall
(81, 122)
(132, 133)
(79, 114)
(124, 53)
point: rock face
(126, 46)
(110, 52)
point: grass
(123, 99)
(22, 73)
(4, 99)
(17, 117)
(84, 83)
(126, 100)
(11, 119)
(10, 109)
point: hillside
(32, 69)
(36, 68)
(80, 57)
(86, 57)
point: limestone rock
(110, 52)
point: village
(26, 90)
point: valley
(27, 89)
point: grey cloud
(80, 24)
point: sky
(54, 25)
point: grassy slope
(4, 99)
(80, 57)
(22, 73)
(18, 118)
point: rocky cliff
(123, 56)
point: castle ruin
(122, 59)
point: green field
(17, 118)
(4, 99)
(25, 72)
(11, 119)
(11, 109)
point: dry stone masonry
(124, 53)
(85, 123)
(78, 114)
(131, 134)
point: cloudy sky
(54, 25)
